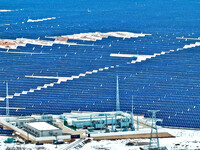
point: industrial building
(110, 121)
(34, 118)
(41, 129)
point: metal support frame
(115, 122)
(91, 120)
(154, 142)
(106, 128)
(112, 125)
(121, 123)
(132, 121)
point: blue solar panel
(168, 81)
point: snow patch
(13, 44)
(94, 36)
(189, 46)
(4, 10)
(39, 20)
(122, 55)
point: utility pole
(7, 101)
(132, 118)
(137, 123)
(117, 96)
(154, 141)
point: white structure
(41, 129)
(21, 121)
(117, 96)
(7, 101)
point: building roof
(42, 126)
(21, 119)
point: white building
(41, 129)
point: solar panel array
(167, 78)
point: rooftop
(42, 126)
